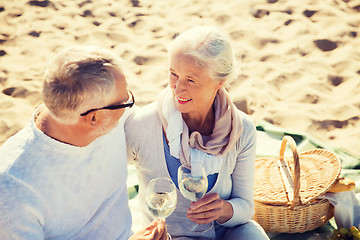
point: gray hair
(210, 47)
(80, 78)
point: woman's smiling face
(193, 89)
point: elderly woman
(195, 120)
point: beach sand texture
(299, 61)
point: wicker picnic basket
(287, 189)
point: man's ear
(91, 118)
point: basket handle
(292, 184)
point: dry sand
(300, 60)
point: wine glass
(161, 198)
(193, 184)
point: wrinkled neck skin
(74, 134)
(204, 124)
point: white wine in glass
(193, 184)
(161, 198)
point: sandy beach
(298, 61)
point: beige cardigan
(235, 181)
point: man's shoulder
(15, 147)
(16, 160)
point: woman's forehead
(187, 64)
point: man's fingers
(155, 231)
(160, 233)
(162, 230)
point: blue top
(174, 163)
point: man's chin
(105, 130)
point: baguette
(342, 185)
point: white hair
(209, 47)
(80, 78)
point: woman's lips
(182, 100)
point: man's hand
(210, 208)
(155, 231)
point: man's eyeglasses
(130, 102)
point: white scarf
(226, 132)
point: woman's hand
(155, 231)
(210, 208)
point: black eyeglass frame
(113, 107)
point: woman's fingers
(208, 202)
(204, 217)
(207, 199)
(206, 210)
(216, 204)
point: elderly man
(63, 176)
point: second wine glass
(193, 184)
(161, 198)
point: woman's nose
(179, 86)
